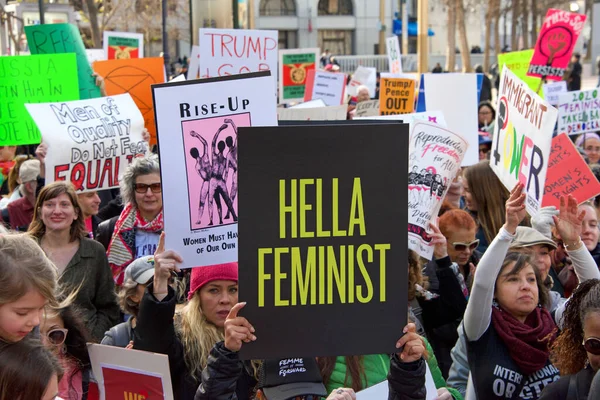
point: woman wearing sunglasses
(64, 333)
(577, 350)
(80, 262)
(135, 232)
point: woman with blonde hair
(485, 198)
(27, 285)
(188, 337)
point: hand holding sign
(515, 208)
(165, 262)
(439, 241)
(237, 329)
(412, 343)
(569, 222)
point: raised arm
(216, 137)
(479, 309)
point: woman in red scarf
(509, 334)
(137, 229)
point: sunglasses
(592, 345)
(459, 246)
(57, 336)
(143, 188)
(484, 150)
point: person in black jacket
(189, 337)
(225, 370)
(577, 349)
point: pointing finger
(234, 310)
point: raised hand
(237, 329)
(413, 345)
(569, 221)
(439, 241)
(515, 208)
(342, 394)
(165, 262)
(100, 83)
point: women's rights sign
(435, 155)
(555, 44)
(522, 138)
(90, 142)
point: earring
(495, 304)
(63, 349)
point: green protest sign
(32, 79)
(518, 63)
(64, 38)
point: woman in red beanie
(187, 337)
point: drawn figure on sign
(203, 168)
(442, 188)
(435, 184)
(231, 162)
(217, 181)
(413, 176)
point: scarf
(5, 167)
(121, 250)
(528, 343)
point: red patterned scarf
(528, 343)
(5, 167)
(121, 250)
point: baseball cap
(284, 379)
(141, 270)
(29, 171)
(527, 237)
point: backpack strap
(572, 393)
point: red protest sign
(120, 384)
(555, 44)
(568, 174)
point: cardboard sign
(90, 142)
(459, 108)
(435, 117)
(237, 51)
(317, 239)
(32, 79)
(579, 112)
(363, 76)
(394, 55)
(294, 65)
(123, 45)
(197, 123)
(367, 108)
(518, 63)
(64, 38)
(568, 174)
(396, 96)
(522, 138)
(555, 44)
(310, 104)
(333, 113)
(134, 76)
(435, 156)
(552, 91)
(328, 86)
(130, 374)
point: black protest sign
(322, 241)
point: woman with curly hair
(576, 352)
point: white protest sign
(197, 124)
(328, 86)
(367, 109)
(119, 45)
(394, 55)
(435, 117)
(90, 142)
(456, 96)
(579, 112)
(381, 391)
(94, 55)
(127, 373)
(435, 155)
(552, 91)
(311, 104)
(193, 71)
(237, 51)
(366, 76)
(332, 113)
(522, 138)
(178, 78)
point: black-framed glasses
(460, 246)
(143, 187)
(592, 345)
(57, 336)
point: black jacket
(155, 332)
(226, 377)
(105, 230)
(571, 387)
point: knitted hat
(220, 272)
(580, 142)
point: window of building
(288, 39)
(335, 7)
(275, 8)
(339, 42)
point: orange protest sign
(396, 96)
(568, 174)
(134, 76)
